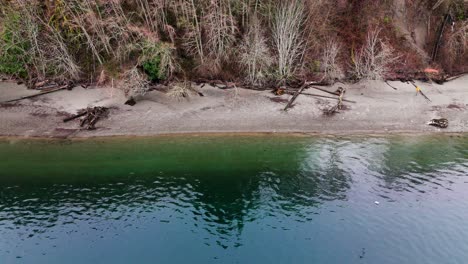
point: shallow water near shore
(227, 199)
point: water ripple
(296, 190)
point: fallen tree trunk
(36, 95)
(394, 88)
(325, 91)
(295, 97)
(329, 97)
(322, 96)
(451, 78)
(418, 90)
(74, 117)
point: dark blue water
(235, 200)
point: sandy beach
(378, 109)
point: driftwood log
(329, 97)
(295, 96)
(225, 85)
(418, 90)
(451, 78)
(291, 92)
(326, 91)
(39, 94)
(91, 116)
(341, 92)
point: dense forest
(253, 42)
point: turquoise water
(235, 200)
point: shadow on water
(216, 184)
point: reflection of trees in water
(218, 205)
(224, 202)
(410, 162)
(43, 207)
(218, 193)
(318, 175)
(281, 181)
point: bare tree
(373, 59)
(254, 53)
(288, 20)
(220, 29)
(330, 65)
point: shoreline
(378, 110)
(240, 135)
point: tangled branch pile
(91, 116)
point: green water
(235, 200)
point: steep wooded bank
(254, 42)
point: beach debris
(80, 114)
(39, 94)
(377, 202)
(419, 91)
(46, 84)
(340, 92)
(456, 106)
(448, 79)
(329, 97)
(131, 101)
(278, 100)
(298, 92)
(216, 83)
(279, 91)
(439, 122)
(282, 90)
(91, 116)
(326, 91)
(394, 88)
(331, 111)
